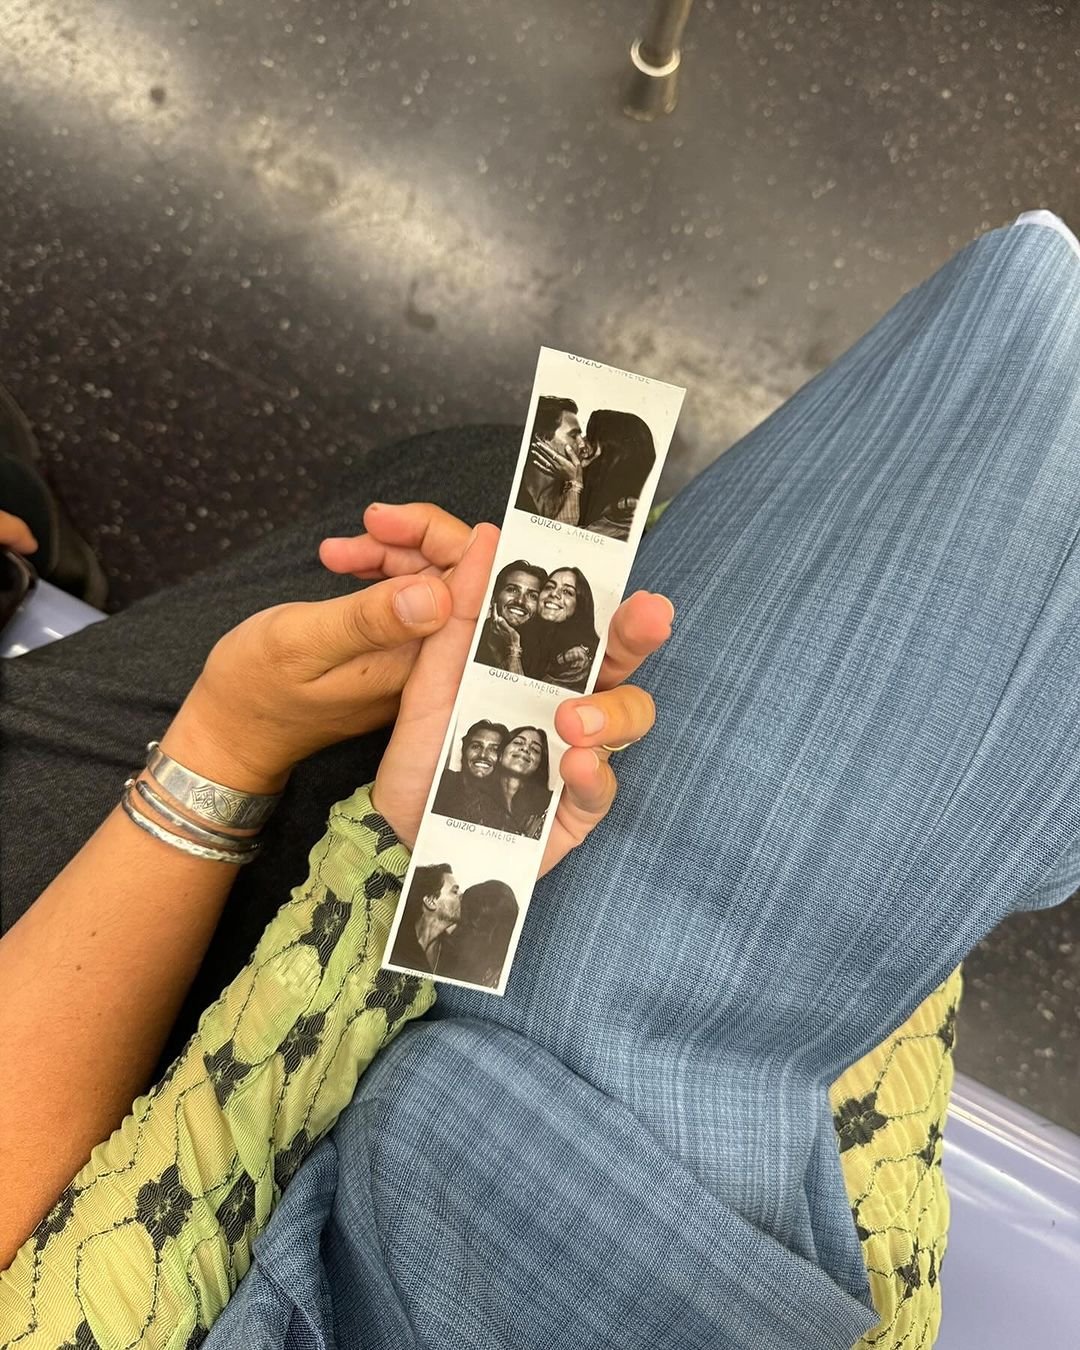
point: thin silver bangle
(213, 802)
(184, 845)
(200, 836)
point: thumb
(377, 618)
(16, 534)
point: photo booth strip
(592, 497)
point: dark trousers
(75, 716)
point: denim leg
(867, 753)
(868, 745)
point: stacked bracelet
(235, 856)
(213, 802)
(209, 802)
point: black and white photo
(432, 911)
(504, 780)
(587, 468)
(541, 624)
(592, 479)
(456, 924)
(475, 951)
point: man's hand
(505, 632)
(420, 538)
(560, 462)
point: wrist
(382, 803)
(196, 740)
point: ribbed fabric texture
(889, 1117)
(867, 753)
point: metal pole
(655, 59)
(661, 42)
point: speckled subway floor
(242, 245)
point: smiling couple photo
(504, 781)
(541, 624)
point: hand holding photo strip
(594, 446)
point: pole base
(652, 91)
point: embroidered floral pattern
(328, 922)
(381, 883)
(84, 1339)
(287, 1164)
(225, 1071)
(394, 993)
(302, 1041)
(929, 1152)
(162, 1206)
(57, 1217)
(857, 1119)
(132, 1185)
(384, 836)
(888, 1114)
(909, 1273)
(237, 1210)
(947, 1030)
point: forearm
(546, 490)
(569, 506)
(94, 974)
(174, 1200)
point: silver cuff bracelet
(237, 857)
(215, 803)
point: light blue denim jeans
(867, 754)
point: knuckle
(634, 709)
(277, 633)
(368, 619)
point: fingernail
(598, 760)
(471, 539)
(671, 616)
(416, 604)
(591, 718)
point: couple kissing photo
(591, 478)
(458, 933)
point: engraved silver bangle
(233, 856)
(213, 802)
(211, 838)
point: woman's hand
(298, 677)
(422, 539)
(16, 534)
(574, 662)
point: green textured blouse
(151, 1238)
